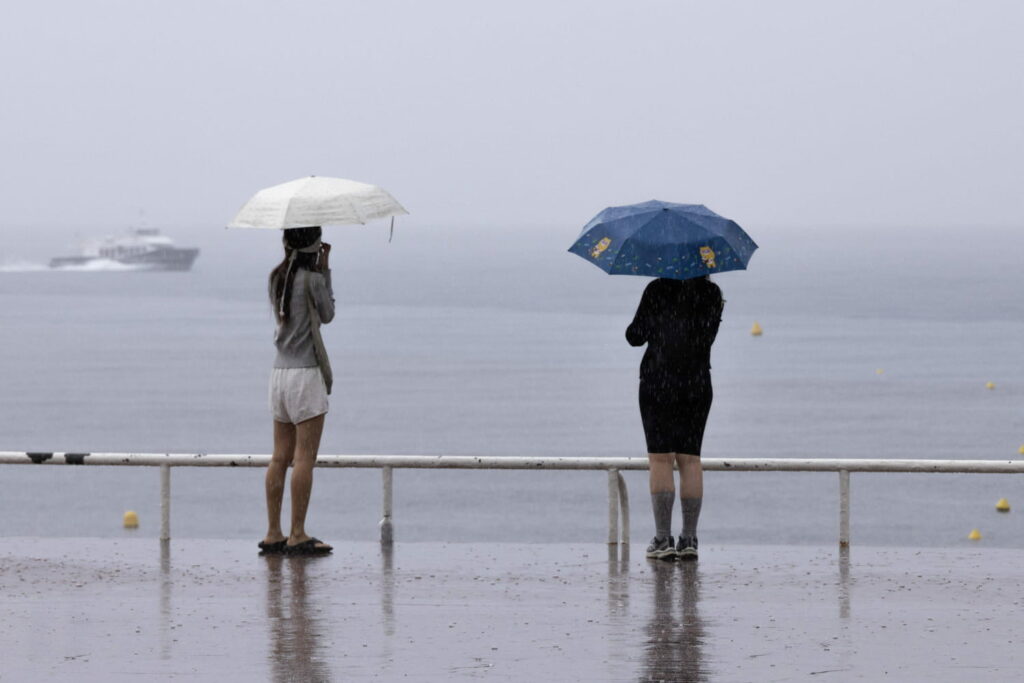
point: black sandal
(313, 546)
(272, 548)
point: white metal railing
(618, 496)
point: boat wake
(21, 267)
(97, 265)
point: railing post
(387, 530)
(623, 508)
(613, 507)
(165, 502)
(844, 508)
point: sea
(475, 340)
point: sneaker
(661, 549)
(687, 548)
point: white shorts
(297, 394)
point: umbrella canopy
(315, 201)
(661, 239)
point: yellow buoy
(756, 330)
(975, 535)
(879, 371)
(1021, 449)
(1003, 505)
(131, 520)
(990, 385)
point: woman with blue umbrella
(678, 318)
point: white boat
(142, 249)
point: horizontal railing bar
(518, 462)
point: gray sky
(516, 114)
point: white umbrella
(315, 201)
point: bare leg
(284, 448)
(691, 476)
(661, 472)
(307, 442)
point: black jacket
(678, 320)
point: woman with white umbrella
(302, 298)
(300, 292)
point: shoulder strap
(318, 342)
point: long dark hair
(283, 276)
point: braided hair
(301, 250)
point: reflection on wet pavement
(387, 592)
(88, 609)
(296, 651)
(844, 583)
(675, 632)
(166, 617)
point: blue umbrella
(661, 239)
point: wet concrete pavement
(89, 609)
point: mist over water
(877, 343)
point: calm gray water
(498, 342)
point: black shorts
(675, 412)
